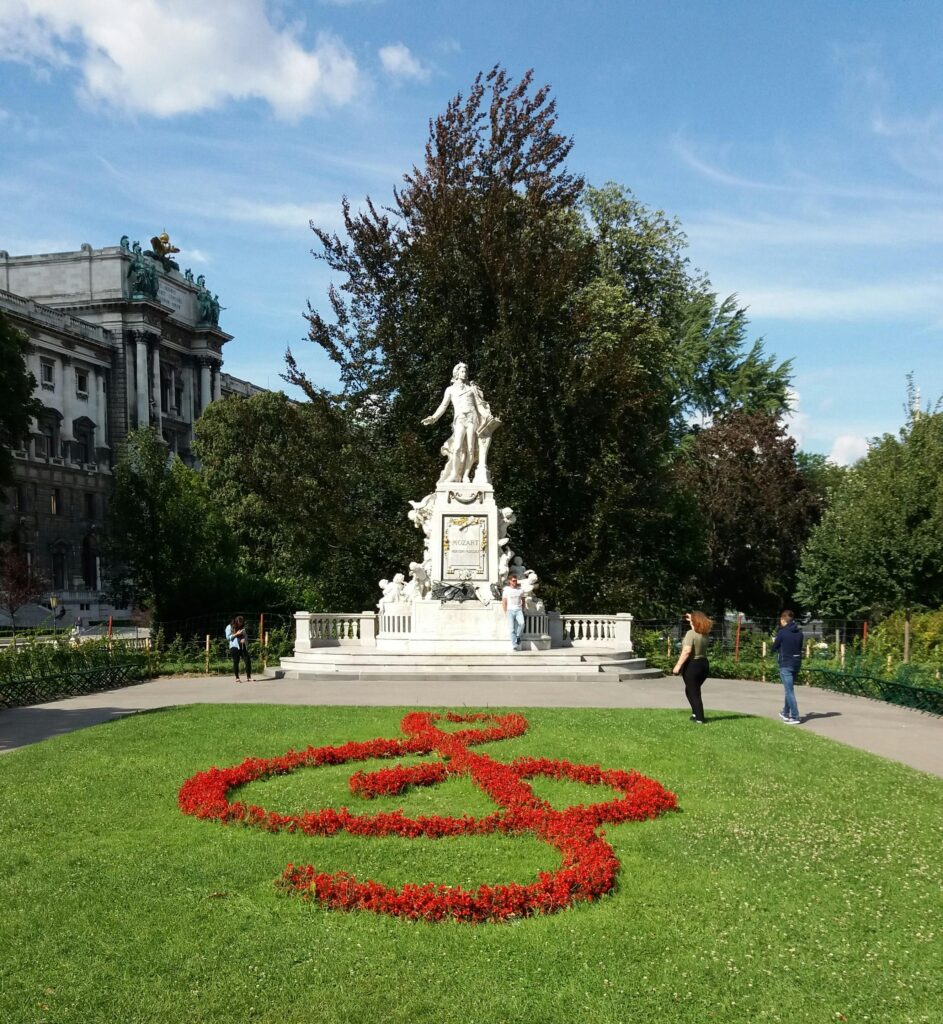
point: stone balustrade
(353, 629)
(334, 629)
(597, 630)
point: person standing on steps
(788, 647)
(239, 646)
(512, 599)
(692, 663)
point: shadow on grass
(709, 719)
(19, 727)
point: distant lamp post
(53, 604)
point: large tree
(17, 404)
(574, 308)
(485, 257)
(755, 511)
(879, 546)
(294, 492)
(168, 550)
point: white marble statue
(472, 427)
(419, 586)
(392, 589)
(529, 584)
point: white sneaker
(792, 721)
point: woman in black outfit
(692, 662)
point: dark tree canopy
(577, 313)
(17, 404)
(756, 511)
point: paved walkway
(897, 733)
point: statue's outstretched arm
(443, 405)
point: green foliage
(764, 810)
(756, 511)
(168, 547)
(822, 477)
(292, 482)
(879, 546)
(17, 404)
(926, 637)
(42, 659)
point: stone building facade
(121, 338)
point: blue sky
(800, 145)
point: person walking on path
(692, 662)
(239, 646)
(788, 647)
(512, 598)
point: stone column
(155, 386)
(623, 631)
(102, 421)
(140, 381)
(204, 384)
(302, 632)
(66, 436)
(217, 382)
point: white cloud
(870, 229)
(848, 448)
(900, 299)
(169, 57)
(286, 216)
(796, 421)
(398, 62)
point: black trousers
(694, 672)
(244, 652)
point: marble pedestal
(463, 533)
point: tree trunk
(906, 636)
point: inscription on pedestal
(464, 547)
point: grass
(801, 881)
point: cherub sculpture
(392, 589)
(419, 583)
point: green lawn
(800, 881)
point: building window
(178, 399)
(47, 374)
(83, 449)
(81, 383)
(55, 502)
(58, 570)
(89, 505)
(19, 498)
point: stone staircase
(566, 664)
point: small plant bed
(797, 879)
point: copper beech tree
(570, 305)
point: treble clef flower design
(588, 867)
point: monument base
(431, 627)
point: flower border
(589, 864)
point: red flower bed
(589, 864)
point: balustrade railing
(334, 629)
(343, 629)
(597, 630)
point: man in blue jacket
(788, 645)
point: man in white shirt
(512, 600)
